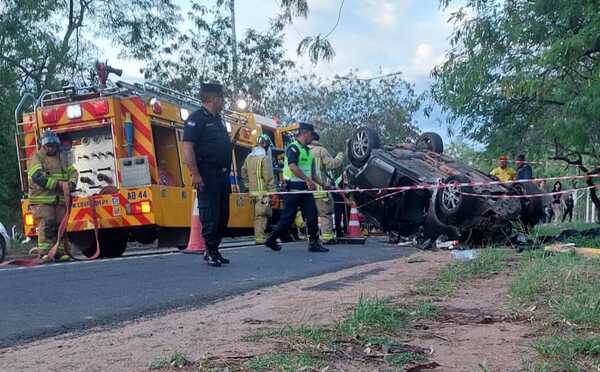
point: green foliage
(428, 310)
(373, 314)
(551, 229)
(177, 359)
(47, 44)
(569, 280)
(204, 53)
(339, 106)
(158, 363)
(284, 362)
(402, 359)
(564, 290)
(524, 76)
(490, 260)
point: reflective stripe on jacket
(257, 174)
(54, 170)
(324, 162)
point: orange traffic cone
(354, 223)
(196, 244)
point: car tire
(2, 249)
(430, 141)
(452, 204)
(363, 141)
(532, 209)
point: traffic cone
(354, 223)
(196, 244)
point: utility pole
(234, 49)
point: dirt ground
(476, 332)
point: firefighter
(207, 154)
(49, 175)
(257, 174)
(324, 162)
(300, 175)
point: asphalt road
(52, 299)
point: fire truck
(125, 141)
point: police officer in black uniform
(207, 154)
(300, 175)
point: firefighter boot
(272, 243)
(314, 245)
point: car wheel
(430, 141)
(452, 203)
(532, 209)
(364, 140)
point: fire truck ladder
(24, 127)
(151, 90)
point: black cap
(211, 88)
(316, 136)
(521, 157)
(306, 127)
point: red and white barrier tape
(426, 186)
(562, 163)
(529, 196)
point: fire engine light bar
(29, 219)
(74, 111)
(184, 113)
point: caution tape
(424, 186)
(529, 196)
(544, 162)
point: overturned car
(472, 214)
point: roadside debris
(466, 255)
(571, 248)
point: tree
(44, 44)
(524, 76)
(204, 53)
(338, 107)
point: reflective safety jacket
(324, 162)
(44, 172)
(305, 163)
(257, 174)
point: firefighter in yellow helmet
(48, 173)
(257, 174)
(324, 163)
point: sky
(373, 37)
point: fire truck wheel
(113, 242)
(84, 242)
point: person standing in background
(569, 206)
(524, 171)
(503, 172)
(557, 202)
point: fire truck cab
(125, 141)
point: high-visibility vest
(305, 163)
